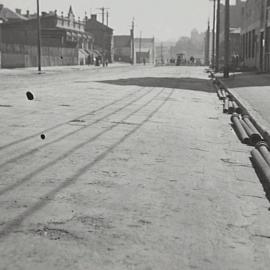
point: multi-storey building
(255, 35)
(236, 10)
(103, 37)
(63, 41)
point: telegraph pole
(38, 38)
(265, 51)
(207, 45)
(107, 16)
(227, 39)
(103, 14)
(103, 9)
(213, 34)
(132, 42)
(140, 48)
(161, 53)
(217, 36)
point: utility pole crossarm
(103, 9)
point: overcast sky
(164, 19)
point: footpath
(252, 91)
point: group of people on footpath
(97, 61)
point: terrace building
(64, 41)
(103, 37)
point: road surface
(139, 169)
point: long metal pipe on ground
(262, 166)
(220, 96)
(231, 108)
(239, 128)
(237, 109)
(224, 94)
(226, 105)
(254, 137)
(252, 128)
(262, 147)
(247, 120)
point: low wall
(18, 56)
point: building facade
(255, 35)
(236, 11)
(63, 41)
(103, 37)
(144, 49)
(122, 48)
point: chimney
(27, 13)
(18, 11)
(94, 17)
(1, 6)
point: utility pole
(213, 35)
(161, 53)
(140, 48)
(132, 42)
(227, 39)
(38, 39)
(207, 45)
(103, 14)
(265, 51)
(107, 16)
(217, 36)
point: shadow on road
(194, 84)
(47, 198)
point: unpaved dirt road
(139, 169)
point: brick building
(122, 48)
(64, 41)
(255, 23)
(236, 11)
(144, 49)
(103, 37)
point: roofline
(104, 25)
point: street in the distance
(131, 175)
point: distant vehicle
(180, 59)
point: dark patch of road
(5, 106)
(194, 84)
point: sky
(163, 19)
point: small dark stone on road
(42, 136)
(29, 95)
